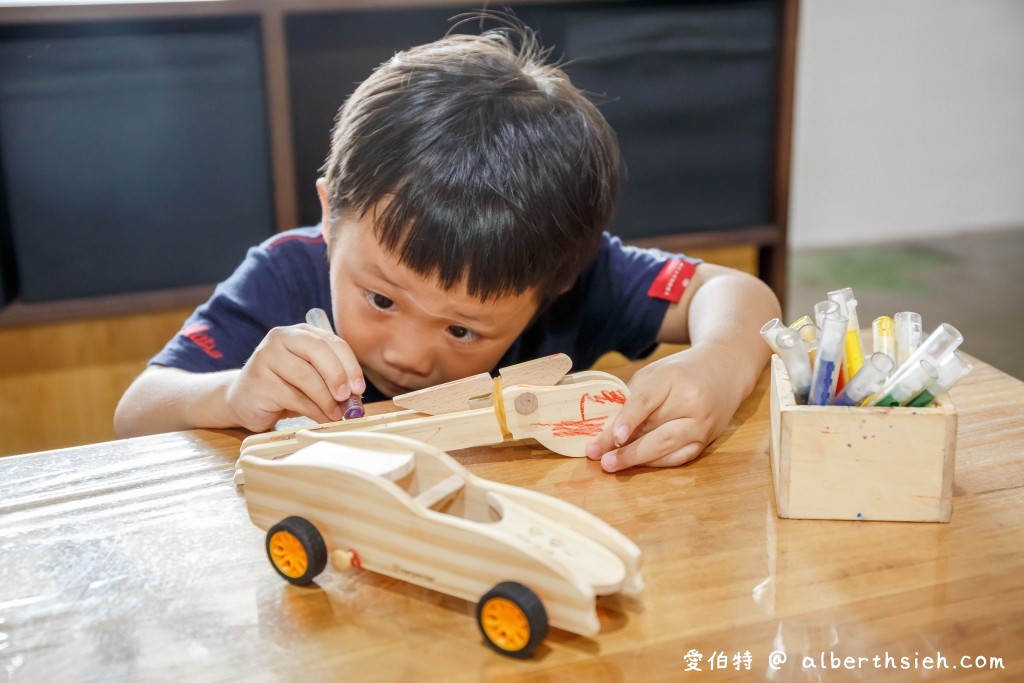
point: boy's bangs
(483, 250)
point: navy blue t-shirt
(608, 309)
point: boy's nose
(408, 355)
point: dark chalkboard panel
(135, 154)
(690, 89)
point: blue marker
(823, 308)
(831, 347)
(770, 331)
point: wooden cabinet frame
(769, 239)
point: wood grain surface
(135, 560)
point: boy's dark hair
(498, 173)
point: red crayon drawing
(604, 397)
(585, 426)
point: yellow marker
(883, 336)
(854, 358)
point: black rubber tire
(312, 543)
(532, 608)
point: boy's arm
(164, 399)
(295, 369)
(679, 404)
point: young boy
(464, 202)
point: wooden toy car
(405, 509)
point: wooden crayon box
(835, 462)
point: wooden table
(135, 560)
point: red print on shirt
(197, 333)
(278, 241)
(672, 281)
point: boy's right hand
(298, 368)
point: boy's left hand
(677, 406)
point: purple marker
(354, 403)
(354, 407)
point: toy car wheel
(512, 619)
(297, 550)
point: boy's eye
(379, 301)
(461, 333)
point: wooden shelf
(18, 314)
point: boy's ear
(325, 209)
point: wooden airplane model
(536, 399)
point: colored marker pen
(830, 357)
(798, 365)
(866, 382)
(940, 343)
(883, 336)
(908, 335)
(354, 403)
(953, 369)
(770, 330)
(823, 308)
(909, 384)
(809, 333)
(800, 322)
(854, 358)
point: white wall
(909, 119)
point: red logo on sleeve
(672, 281)
(197, 333)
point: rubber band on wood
(499, 409)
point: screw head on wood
(526, 403)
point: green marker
(911, 378)
(952, 370)
(909, 385)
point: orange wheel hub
(505, 624)
(288, 555)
